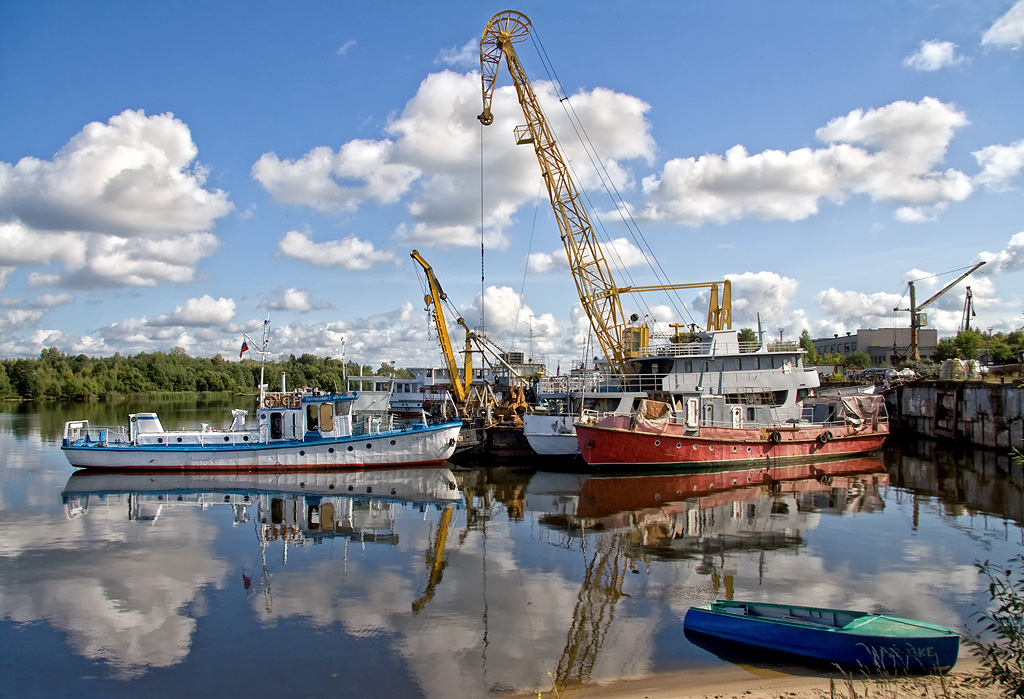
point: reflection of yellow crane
(592, 616)
(597, 290)
(918, 319)
(435, 560)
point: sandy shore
(744, 682)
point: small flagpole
(263, 356)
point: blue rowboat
(874, 643)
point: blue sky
(173, 173)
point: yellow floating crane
(620, 340)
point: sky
(174, 174)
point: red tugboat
(715, 400)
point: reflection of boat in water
(691, 513)
(605, 495)
(290, 505)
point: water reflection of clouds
(525, 614)
(121, 591)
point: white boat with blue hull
(299, 429)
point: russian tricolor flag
(245, 348)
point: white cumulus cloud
(130, 188)
(430, 158)
(331, 182)
(889, 153)
(621, 253)
(999, 164)
(131, 176)
(933, 55)
(347, 253)
(1008, 30)
(292, 299)
(199, 312)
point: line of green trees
(58, 376)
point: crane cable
(606, 181)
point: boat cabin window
(751, 414)
(757, 362)
(688, 365)
(771, 362)
(312, 417)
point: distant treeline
(58, 376)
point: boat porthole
(302, 452)
(245, 438)
(302, 484)
(369, 445)
(712, 486)
(227, 439)
(711, 447)
(679, 445)
(392, 442)
(394, 492)
(350, 489)
(695, 447)
(679, 492)
(695, 489)
(159, 497)
(180, 498)
(350, 448)
(749, 450)
(734, 450)
(330, 487)
(657, 442)
(657, 497)
(179, 439)
(369, 489)
(159, 440)
(245, 498)
(227, 498)
(330, 451)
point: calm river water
(451, 583)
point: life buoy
(824, 437)
(289, 400)
(270, 401)
(775, 437)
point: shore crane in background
(460, 385)
(918, 319)
(620, 340)
(965, 320)
(470, 398)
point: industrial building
(885, 346)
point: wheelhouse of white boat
(728, 382)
